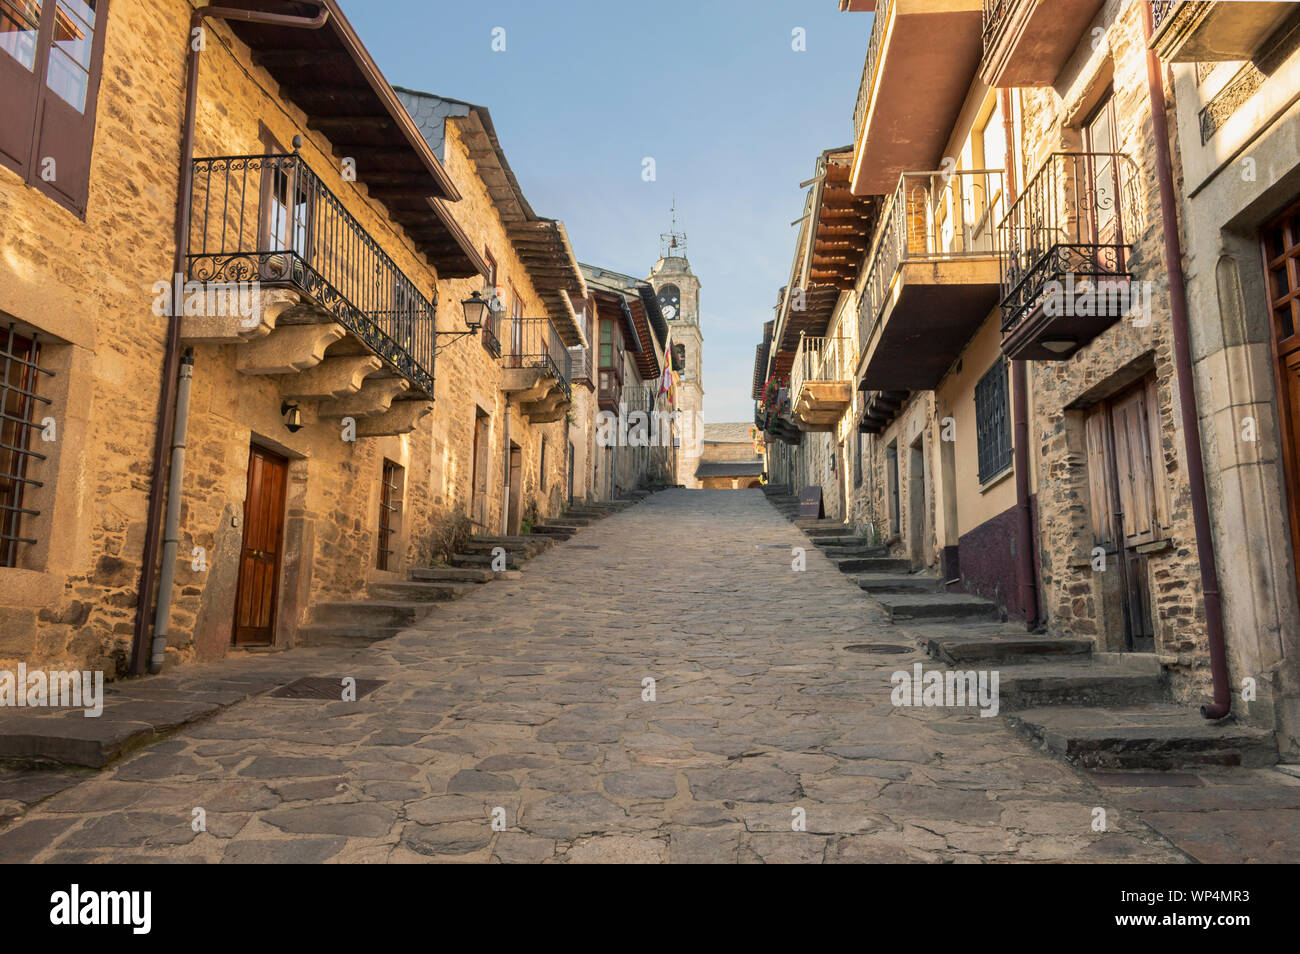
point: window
(606, 343)
(50, 55)
(389, 503)
(541, 475)
(18, 401)
(993, 421)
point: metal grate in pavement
(325, 687)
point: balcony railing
(1074, 220)
(819, 359)
(534, 343)
(995, 19)
(1160, 10)
(932, 216)
(270, 220)
(874, 46)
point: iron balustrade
(1073, 220)
(20, 402)
(931, 216)
(874, 47)
(271, 220)
(996, 17)
(1160, 10)
(818, 359)
(534, 343)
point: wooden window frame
(36, 123)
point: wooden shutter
(65, 130)
(22, 64)
(1133, 467)
(1101, 501)
(1159, 475)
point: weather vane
(672, 244)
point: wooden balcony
(1197, 32)
(1065, 263)
(932, 279)
(1026, 42)
(821, 383)
(609, 388)
(879, 409)
(332, 316)
(920, 61)
(536, 369)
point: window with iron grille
(18, 403)
(857, 459)
(388, 503)
(993, 421)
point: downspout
(172, 354)
(171, 527)
(1025, 570)
(1222, 704)
(505, 501)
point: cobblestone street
(523, 703)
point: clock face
(670, 301)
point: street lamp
(475, 308)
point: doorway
(515, 491)
(1129, 498)
(259, 556)
(1280, 241)
(481, 463)
(917, 509)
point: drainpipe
(172, 354)
(505, 502)
(1222, 703)
(171, 529)
(1026, 575)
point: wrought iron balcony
(932, 276)
(490, 340)
(1160, 10)
(1069, 232)
(533, 343)
(270, 220)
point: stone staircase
(392, 606)
(1099, 710)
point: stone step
(452, 574)
(896, 583)
(871, 564)
(332, 634)
(522, 547)
(902, 607)
(849, 543)
(836, 531)
(1159, 736)
(423, 591)
(962, 648)
(484, 561)
(565, 530)
(380, 613)
(823, 522)
(1112, 679)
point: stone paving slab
(519, 727)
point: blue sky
(711, 89)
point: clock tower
(679, 297)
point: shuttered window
(1127, 481)
(993, 421)
(50, 58)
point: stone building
(729, 457)
(289, 324)
(1027, 384)
(635, 435)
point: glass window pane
(19, 25)
(69, 68)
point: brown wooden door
(1280, 241)
(259, 556)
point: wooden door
(1280, 241)
(259, 555)
(514, 518)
